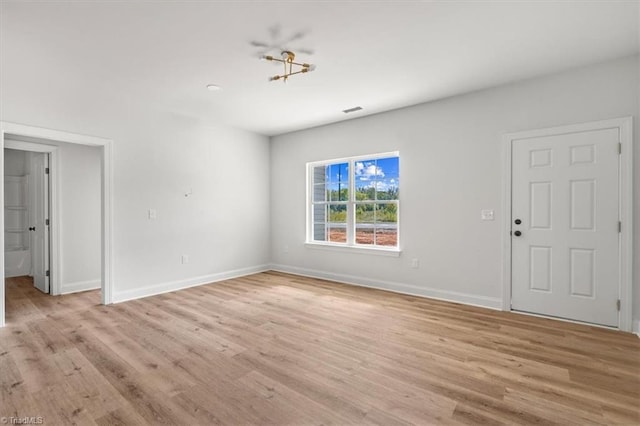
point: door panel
(540, 216)
(40, 212)
(540, 276)
(565, 192)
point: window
(354, 201)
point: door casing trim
(106, 148)
(625, 188)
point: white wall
(451, 168)
(223, 226)
(158, 156)
(79, 205)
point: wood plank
(274, 348)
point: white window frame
(351, 203)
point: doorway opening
(43, 145)
(26, 213)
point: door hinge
(618, 304)
(46, 171)
(46, 222)
(619, 147)
(619, 226)
(46, 274)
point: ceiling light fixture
(213, 87)
(287, 59)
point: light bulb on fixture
(308, 68)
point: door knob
(518, 221)
(517, 233)
(32, 228)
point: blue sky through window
(379, 173)
(338, 173)
(338, 178)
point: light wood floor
(280, 349)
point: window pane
(377, 224)
(320, 183)
(365, 176)
(386, 224)
(365, 223)
(338, 233)
(364, 191)
(319, 193)
(388, 190)
(338, 213)
(386, 237)
(388, 179)
(365, 213)
(319, 175)
(319, 232)
(319, 213)
(338, 223)
(386, 213)
(377, 179)
(338, 181)
(339, 192)
(319, 222)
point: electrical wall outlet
(415, 263)
(153, 214)
(185, 259)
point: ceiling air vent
(354, 109)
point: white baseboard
(12, 273)
(154, 289)
(432, 293)
(636, 327)
(80, 286)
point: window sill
(392, 252)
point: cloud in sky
(368, 170)
(381, 185)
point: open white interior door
(39, 223)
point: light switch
(486, 214)
(153, 214)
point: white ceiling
(379, 55)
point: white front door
(39, 226)
(565, 235)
